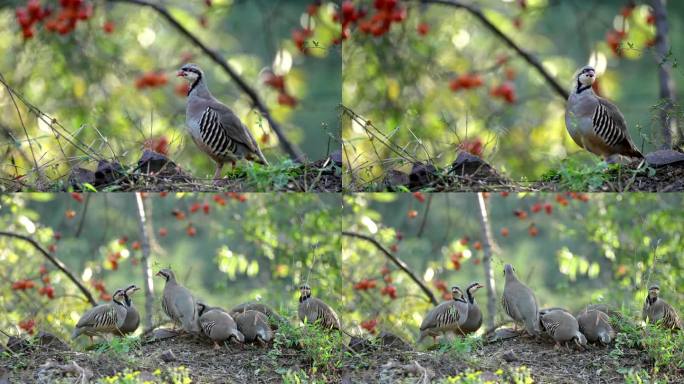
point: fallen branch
(294, 152)
(477, 13)
(398, 262)
(55, 261)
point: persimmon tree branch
(55, 261)
(398, 262)
(290, 148)
(531, 60)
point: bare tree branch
(398, 262)
(668, 117)
(294, 152)
(488, 247)
(531, 60)
(83, 215)
(145, 262)
(55, 261)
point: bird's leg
(434, 339)
(557, 346)
(217, 174)
(216, 346)
(91, 340)
(232, 164)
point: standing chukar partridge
(104, 318)
(658, 311)
(132, 320)
(474, 320)
(254, 325)
(448, 316)
(519, 302)
(595, 325)
(563, 327)
(595, 123)
(214, 127)
(217, 325)
(178, 303)
(315, 311)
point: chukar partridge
(132, 320)
(178, 303)
(214, 127)
(519, 302)
(563, 327)
(595, 325)
(474, 320)
(595, 123)
(448, 316)
(273, 316)
(313, 310)
(658, 311)
(254, 325)
(217, 325)
(104, 318)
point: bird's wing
(88, 318)
(611, 124)
(232, 125)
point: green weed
(519, 375)
(119, 345)
(461, 346)
(174, 375)
(325, 348)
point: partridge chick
(448, 316)
(595, 123)
(214, 127)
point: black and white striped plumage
(214, 127)
(446, 317)
(595, 123)
(658, 311)
(315, 311)
(104, 318)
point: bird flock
(255, 322)
(251, 322)
(462, 316)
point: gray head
(653, 291)
(509, 272)
(305, 292)
(118, 296)
(471, 289)
(585, 78)
(167, 274)
(457, 293)
(201, 307)
(605, 337)
(191, 72)
(580, 340)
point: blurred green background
(595, 248)
(86, 79)
(400, 82)
(248, 247)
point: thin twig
(531, 60)
(398, 262)
(55, 261)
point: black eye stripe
(193, 70)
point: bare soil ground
(374, 364)
(156, 173)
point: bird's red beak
(180, 73)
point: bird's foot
(216, 346)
